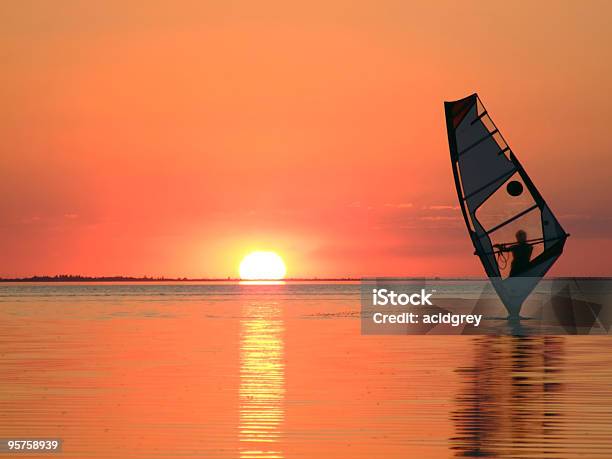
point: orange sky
(170, 138)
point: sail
(498, 199)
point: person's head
(521, 236)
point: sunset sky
(174, 137)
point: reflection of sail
(262, 381)
(511, 404)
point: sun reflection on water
(262, 381)
(261, 282)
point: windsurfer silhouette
(521, 253)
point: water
(281, 371)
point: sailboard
(498, 201)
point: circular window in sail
(514, 188)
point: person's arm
(502, 248)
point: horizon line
(80, 278)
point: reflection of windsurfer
(521, 253)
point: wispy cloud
(401, 205)
(441, 207)
(29, 220)
(439, 218)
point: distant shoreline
(159, 279)
(69, 278)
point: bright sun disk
(262, 265)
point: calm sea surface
(282, 371)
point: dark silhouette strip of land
(78, 278)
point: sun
(262, 265)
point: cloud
(441, 207)
(436, 218)
(402, 205)
(29, 220)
